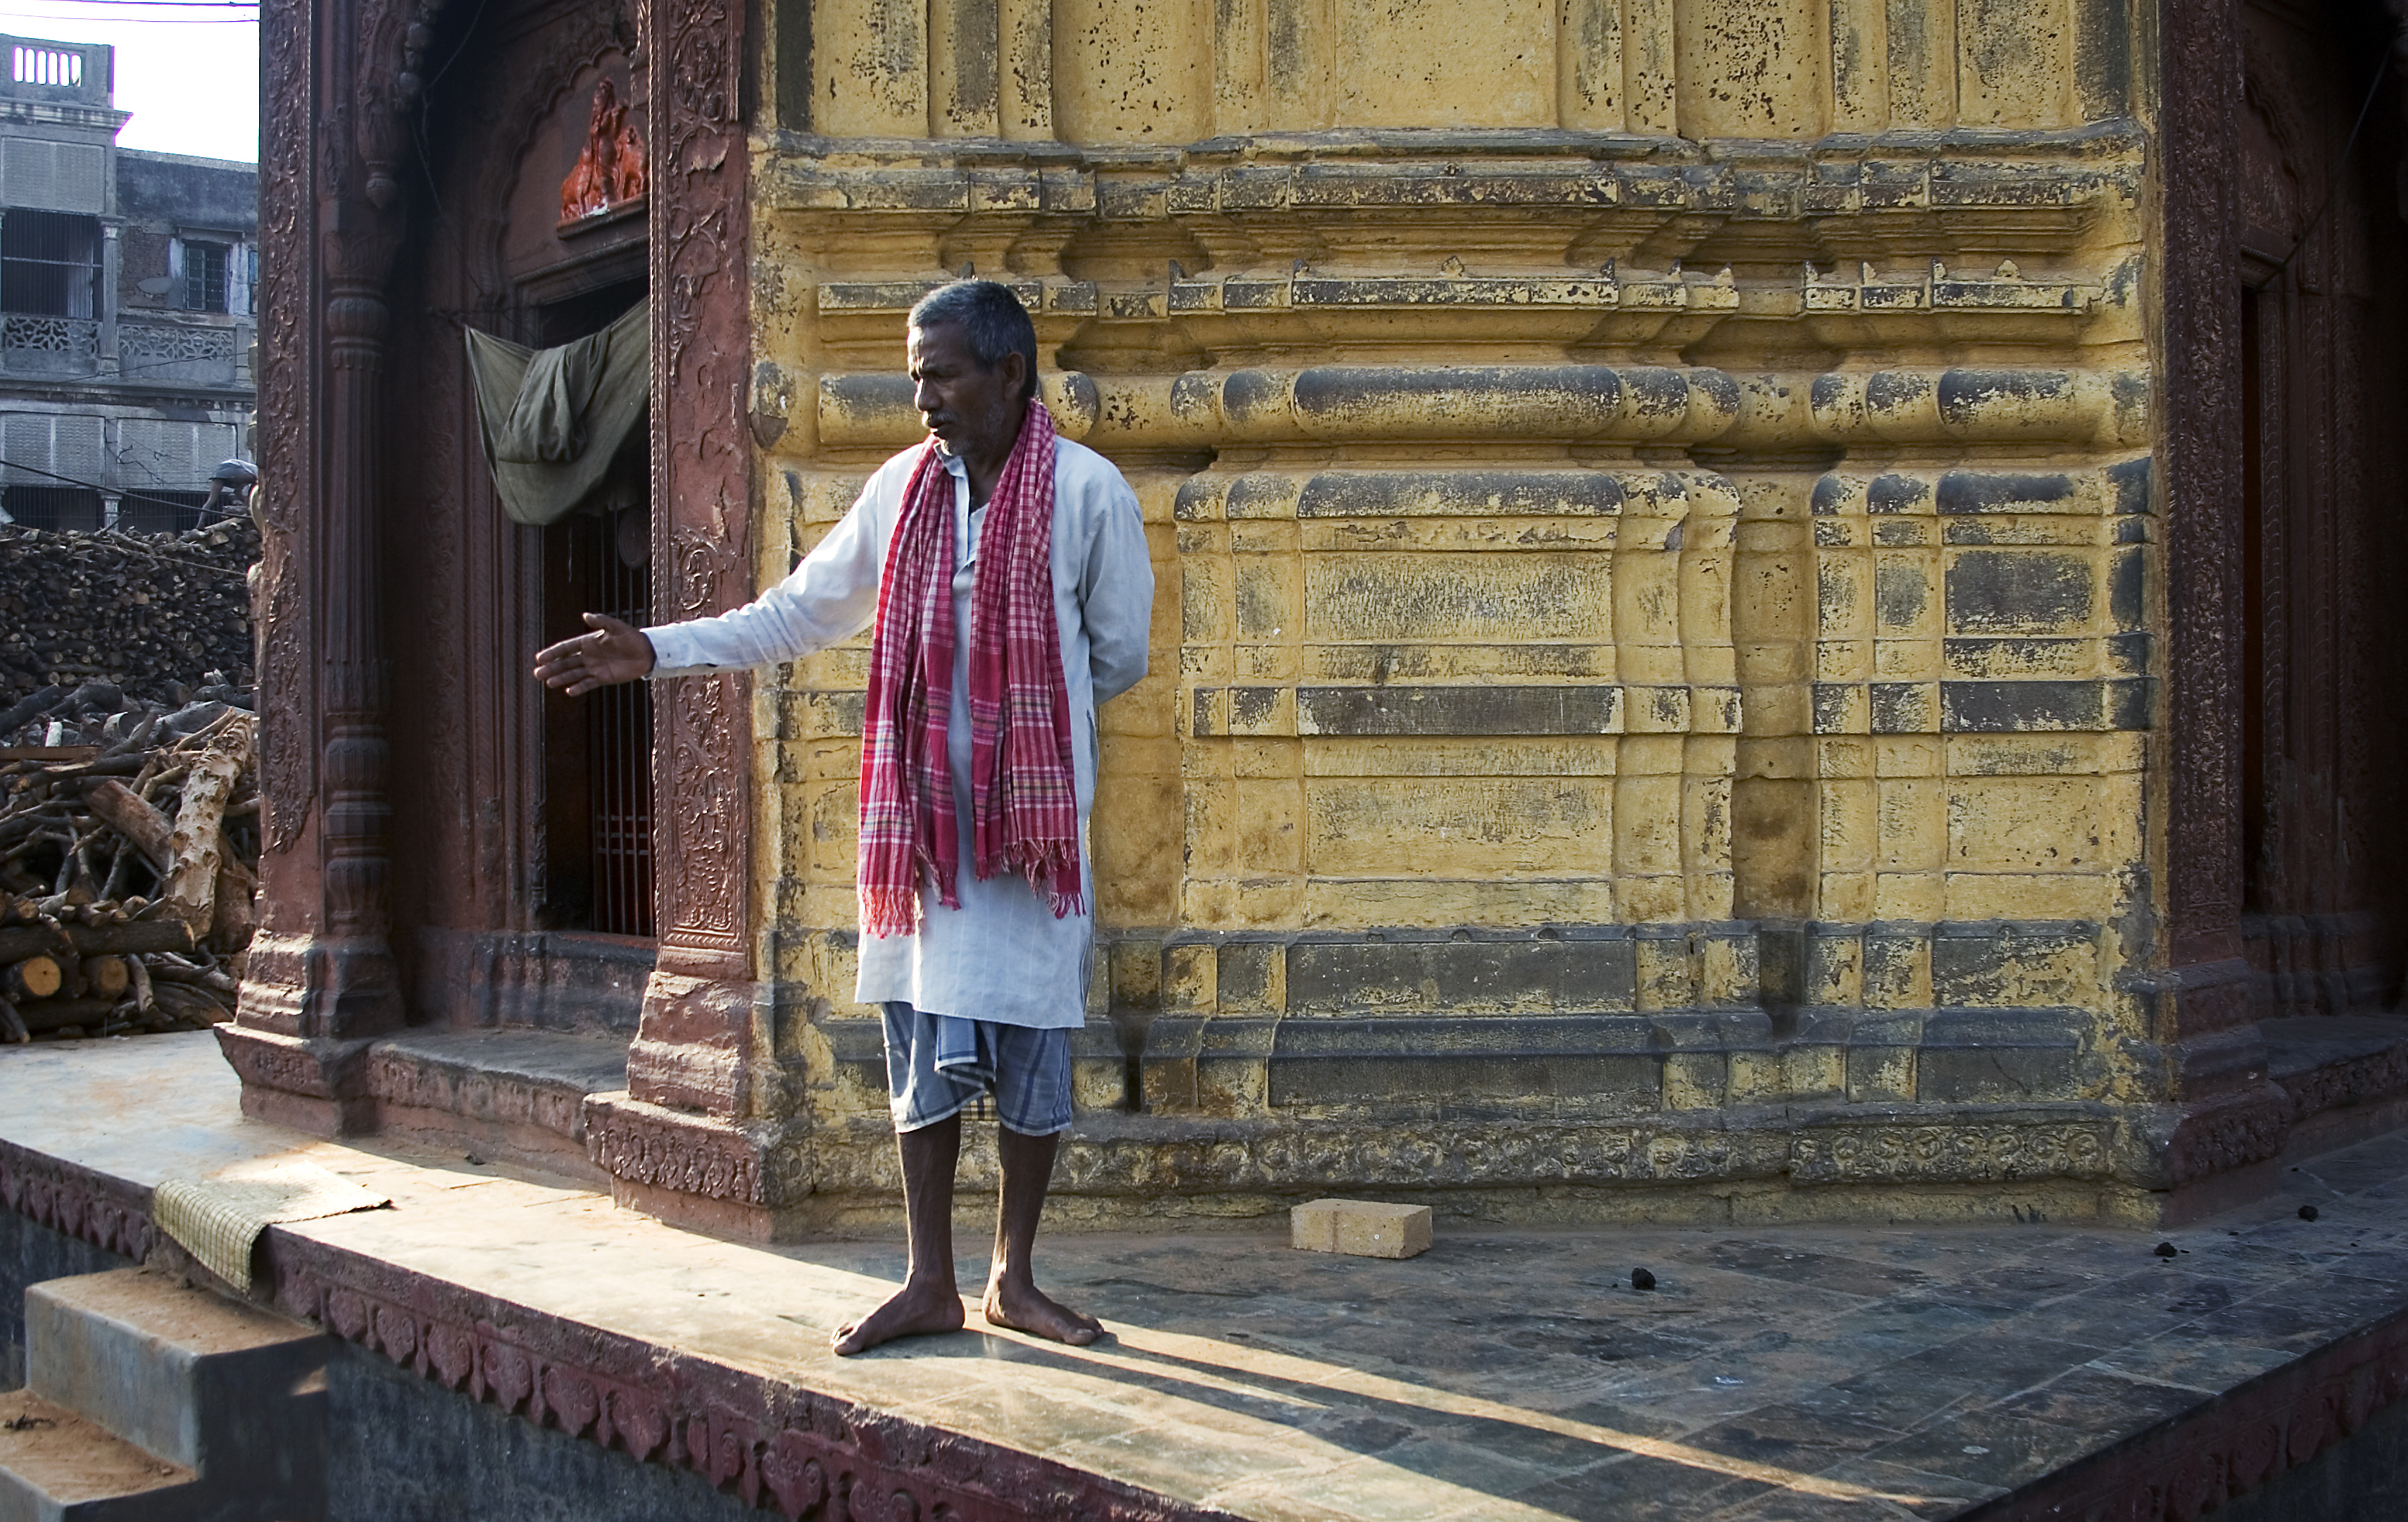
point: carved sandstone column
(689, 1141)
(321, 981)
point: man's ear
(1016, 371)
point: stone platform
(2038, 1370)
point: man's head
(973, 357)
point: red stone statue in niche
(610, 169)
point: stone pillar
(321, 983)
(2224, 1113)
(691, 1139)
(109, 253)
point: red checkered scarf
(1023, 798)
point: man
(1006, 570)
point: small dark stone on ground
(2307, 1213)
(1641, 1279)
(2167, 1249)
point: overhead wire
(138, 496)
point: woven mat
(218, 1219)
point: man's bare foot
(1026, 1308)
(913, 1311)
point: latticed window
(50, 264)
(205, 277)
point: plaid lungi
(939, 1064)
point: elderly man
(1006, 571)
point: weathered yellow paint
(1736, 585)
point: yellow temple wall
(1652, 699)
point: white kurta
(1002, 955)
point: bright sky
(188, 70)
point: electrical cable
(138, 496)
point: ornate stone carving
(610, 168)
(699, 999)
(664, 1149)
(49, 338)
(152, 344)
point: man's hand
(615, 651)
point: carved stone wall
(1659, 515)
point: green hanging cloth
(554, 420)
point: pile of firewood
(142, 611)
(128, 861)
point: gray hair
(990, 317)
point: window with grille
(205, 277)
(52, 507)
(50, 264)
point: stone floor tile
(1382, 1486)
(1192, 1463)
(1791, 1437)
(1047, 1424)
(1868, 1276)
(1801, 1506)
(2017, 1286)
(2306, 1314)
(1640, 1488)
(1885, 1398)
(1560, 1443)
(2003, 1359)
(1915, 1492)
(1987, 1448)
(2099, 1402)
(1895, 1328)
(1698, 1395)
(2189, 1363)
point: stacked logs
(140, 611)
(127, 871)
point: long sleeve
(1116, 594)
(832, 595)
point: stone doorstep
(179, 1373)
(147, 1400)
(515, 1094)
(56, 1464)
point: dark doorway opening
(599, 748)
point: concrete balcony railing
(176, 354)
(37, 345)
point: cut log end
(35, 978)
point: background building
(126, 310)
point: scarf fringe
(889, 910)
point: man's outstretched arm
(830, 597)
(610, 652)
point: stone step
(207, 1385)
(56, 1465)
(511, 1094)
